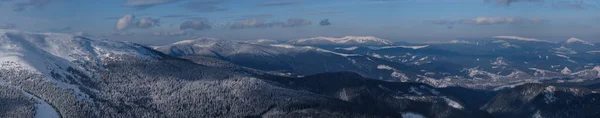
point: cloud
(22, 6)
(205, 6)
(260, 23)
(124, 22)
(324, 22)
(490, 21)
(195, 25)
(8, 26)
(254, 23)
(295, 22)
(175, 33)
(576, 4)
(279, 3)
(177, 16)
(143, 4)
(509, 2)
(148, 23)
(256, 16)
(324, 13)
(128, 21)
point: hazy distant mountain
(302, 60)
(507, 60)
(347, 40)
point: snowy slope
(576, 40)
(521, 38)
(43, 52)
(348, 40)
(53, 55)
(204, 46)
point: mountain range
(62, 75)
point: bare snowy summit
(348, 40)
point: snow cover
(43, 109)
(564, 50)
(449, 42)
(549, 94)
(505, 44)
(566, 70)
(566, 57)
(499, 62)
(410, 47)
(576, 40)
(415, 91)
(337, 53)
(384, 67)
(263, 41)
(453, 103)
(348, 40)
(521, 38)
(283, 46)
(318, 49)
(46, 53)
(412, 115)
(594, 51)
(349, 48)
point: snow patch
(348, 40)
(521, 38)
(453, 103)
(576, 40)
(412, 115)
(566, 71)
(409, 47)
(549, 94)
(385, 67)
(349, 48)
(42, 109)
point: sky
(159, 22)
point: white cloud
(142, 4)
(128, 21)
(490, 21)
(147, 23)
(175, 33)
(124, 22)
(195, 24)
(259, 23)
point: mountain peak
(576, 40)
(521, 38)
(566, 70)
(347, 40)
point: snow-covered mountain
(573, 40)
(545, 101)
(63, 75)
(347, 40)
(302, 60)
(47, 51)
(60, 75)
(507, 60)
(263, 41)
(521, 38)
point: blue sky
(158, 22)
